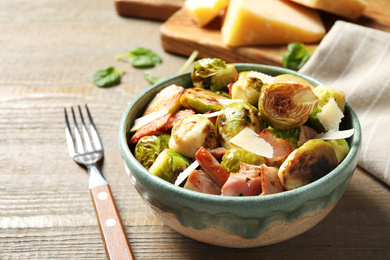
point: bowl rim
(336, 175)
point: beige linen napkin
(356, 59)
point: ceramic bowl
(239, 222)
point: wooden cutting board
(180, 35)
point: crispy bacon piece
(246, 182)
(175, 117)
(282, 148)
(211, 166)
(201, 182)
(270, 182)
(218, 152)
(305, 134)
(151, 128)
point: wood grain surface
(181, 35)
(49, 51)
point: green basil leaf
(141, 58)
(296, 56)
(152, 80)
(107, 77)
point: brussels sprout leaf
(152, 80)
(107, 77)
(141, 58)
(296, 56)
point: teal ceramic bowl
(239, 222)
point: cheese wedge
(253, 22)
(203, 11)
(352, 9)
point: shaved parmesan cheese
(267, 79)
(335, 134)
(184, 174)
(214, 114)
(144, 120)
(226, 102)
(330, 116)
(252, 142)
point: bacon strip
(247, 182)
(176, 117)
(151, 128)
(282, 148)
(270, 182)
(201, 182)
(211, 166)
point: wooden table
(49, 51)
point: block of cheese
(203, 11)
(352, 9)
(253, 22)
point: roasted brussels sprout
(213, 74)
(192, 132)
(247, 89)
(286, 105)
(201, 100)
(308, 163)
(233, 157)
(149, 147)
(236, 117)
(168, 165)
(341, 148)
(325, 93)
(168, 98)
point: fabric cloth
(356, 59)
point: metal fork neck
(95, 176)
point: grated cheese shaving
(267, 79)
(144, 120)
(252, 142)
(184, 174)
(330, 116)
(335, 134)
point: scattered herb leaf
(141, 58)
(107, 77)
(296, 56)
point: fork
(89, 152)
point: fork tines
(81, 143)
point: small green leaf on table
(107, 77)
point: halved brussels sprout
(286, 105)
(201, 100)
(341, 148)
(168, 165)
(192, 132)
(149, 147)
(168, 99)
(325, 93)
(306, 164)
(248, 89)
(233, 157)
(213, 74)
(236, 117)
